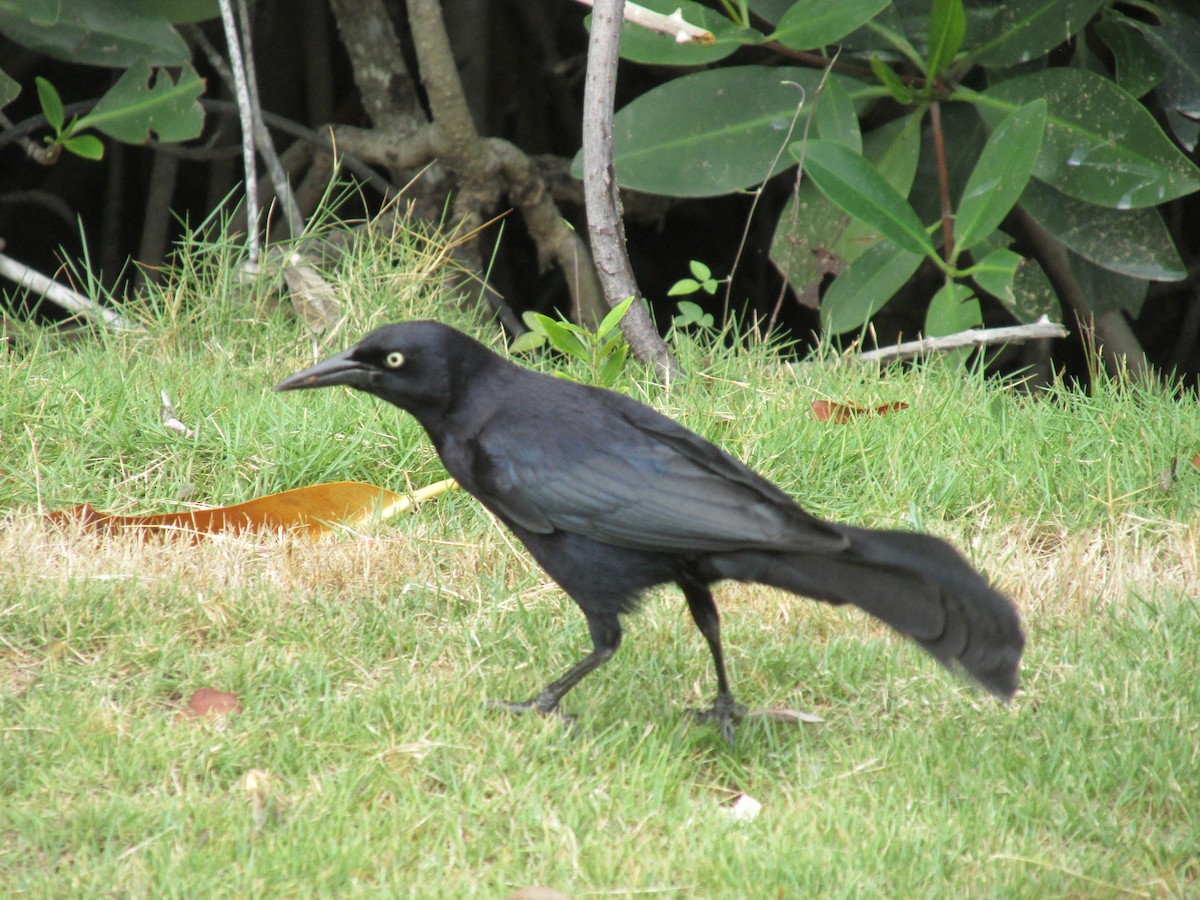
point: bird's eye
(394, 360)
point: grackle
(612, 498)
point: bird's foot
(724, 711)
(531, 705)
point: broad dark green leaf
(1017, 31)
(1035, 296)
(855, 187)
(813, 238)
(709, 133)
(1178, 42)
(770, 10)
(1134, 242)
(178, 11)
(142, 102)
(100, 33)
(10, 89)
(947, 25)
(995, 273)
(1001, 174)
(952, 309)
(834, 117)
(639, 44)
(1139, 67)
(815, 23)
(862, 290)
(1101, 145)
(1108, 291)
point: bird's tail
(917, 584)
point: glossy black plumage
(612, 498)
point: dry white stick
(674, 24)
(57, 294)
(976, 337)
(170, 420)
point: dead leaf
(842, 413)
(785, 714)
(211, 703)
(313, 298)
(312, 510)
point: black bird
(612, 498)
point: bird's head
(410, 364)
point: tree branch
(975, 337)
(605, 228)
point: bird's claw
(531, 705)
(724, 711)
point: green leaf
(1035, 296)
(947, 25)
(561, 338)
(814, 238)
(1134, 242)
(1000, 175)
(834, 117)
(613, 317)
(1108, 291)
(643, 45)
(1101, 145)
(683, 287)
(900, 91)
(52, 105)
(709, 133)
(952, 309)
(86, 145)
(1139, 68)
(862, 290)
(9, 89)
(700, 270)
(995, 273)
(815, 23)
(133, 108)
(1017, 31)
(524, 343)
(96, 32)
(613, 365)
(1178, 45)
(855, 187)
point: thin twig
(247, 120)
(975, 337)
(58, 294)
(674, 24)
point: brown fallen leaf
(312, 510)
(211, 703)
(842, 413)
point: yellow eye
(394, 360)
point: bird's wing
(620, 473)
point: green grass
(365, 761)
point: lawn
(365, 760)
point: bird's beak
(340, 369)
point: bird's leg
(606, 638)
(725, 710)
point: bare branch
(58, 294)
(605, 228)
(674, 24)
(975, 337)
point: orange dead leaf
(313, 510)
(210, 702)
(1196, 461)
(842, 413)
